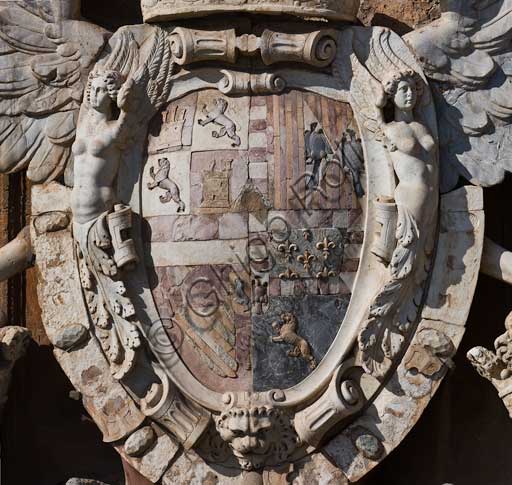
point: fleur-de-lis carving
(325, 273)
(306, 259)
(326, 246)
(288, 250)
(288, 275)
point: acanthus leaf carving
(123, 93)
(497, 366)
(394, 309)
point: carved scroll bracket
(317, 48)
(342, 400)
(186, 420)
(244, 83)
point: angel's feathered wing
(148, 87)
(467, 55)
(44, 63)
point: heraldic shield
(253, 232)
(250, 265)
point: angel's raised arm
(144, 92)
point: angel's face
(98, 96)
(405, 97)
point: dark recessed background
(112, 14)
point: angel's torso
(414, 155)
(96, 163)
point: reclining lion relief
(181, 319)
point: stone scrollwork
(189, 46)
(245, 83)
(100, 226)
(342, 400)
(316, 48)
(393, 312)
(183, 418)
(192, 173)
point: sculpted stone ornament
(258, 433)
(239, 232)
(13, 345)
(287, 333)
(217, 115)
(413, 158)
(496, 366)
(162, 181)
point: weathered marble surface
(319, 318)
(400, 14)
(114, 401)
(161, 10)
(354, 303)
(401, 403)
(13, 345)
(313, 470)
(84, 481)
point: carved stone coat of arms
(255, 246)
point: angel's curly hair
(392, 80)
(114, 81)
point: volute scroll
(248, 270)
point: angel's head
(403, 88)
(102, 89)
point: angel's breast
(93, 146)
(407, 145)
(403, 137)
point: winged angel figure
(465, 55)
(69, 101)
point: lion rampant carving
(162, 181)
(217, 116)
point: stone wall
(401, 15)
(404, 14)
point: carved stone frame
(337, 392)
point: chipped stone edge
(391, 415)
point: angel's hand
(129, 98)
